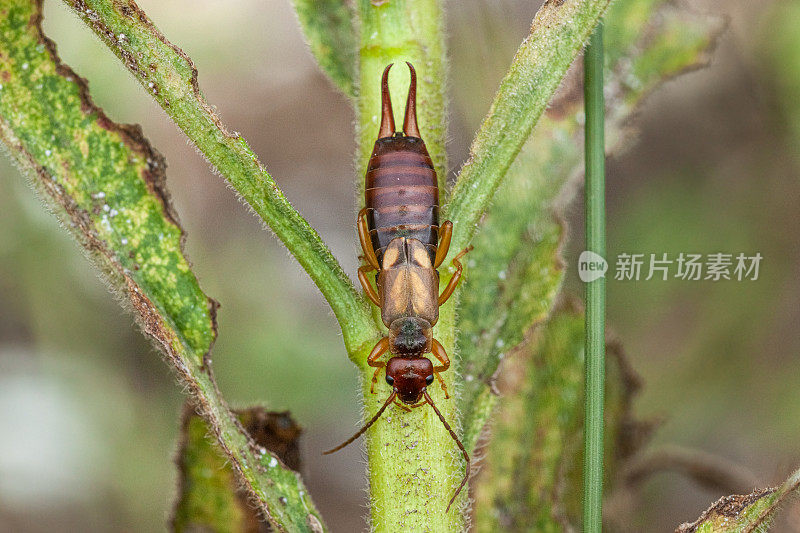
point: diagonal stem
(106, 184)
(559, 31)
(169, 75)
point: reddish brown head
(409, 377)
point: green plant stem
(595, 290)
(395, 32)
(558, 33)
(106, 184)
(169, 75)
(414, 465)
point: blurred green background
(89, 412)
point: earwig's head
(409, 377)
(410, 336)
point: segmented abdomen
(402, 195)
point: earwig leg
(380, 348)
(444, 387)
(405, 408)
(369, 290)
(448, 291)
(375, 379)
(445, 234)
(372, 360)
(366, 241)
(369, 255)
(440, 354)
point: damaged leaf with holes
(210, 496)
(105, 178)
(106, 184)
(744, 513)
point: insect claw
(410, 127)
(387, 116)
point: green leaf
(535, 434)
(517, 269)
(530, 478)
(744, 514)
(329, 31)
(107, 185)
(514, 273)
(210, 496)
(169, 75)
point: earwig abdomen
(402, 196)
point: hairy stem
(170, 77)
(106, 184)
(414, 465)
(744, 513)
(558, 33)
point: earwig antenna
(410, 127)
(387, 116)
(368, 424)
(461, 446)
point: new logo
(591, 266)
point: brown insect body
(402, 212)
(409, 286)
(403, 241)
(402, 195)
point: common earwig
(402, 240)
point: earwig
(404, 243)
